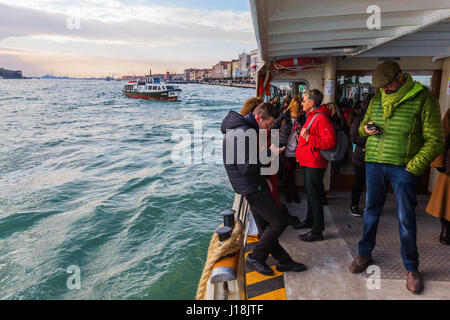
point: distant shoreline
(238, 85)
(217, 83)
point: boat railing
(227, 280)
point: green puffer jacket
(411, 135)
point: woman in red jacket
(317, 134)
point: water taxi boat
(151, 88)
(334, 46)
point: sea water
(93, 204)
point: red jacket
(347, 113)
(321, 137)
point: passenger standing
(336, 114)
(358, 160)
(285, 103)
(292, 121)
(337, 117)
(246, 179)
(439, 204)
(276, 103)
(404, 130)
(272, 181)
(250, 105)
(357, 109)
(347, 110)
(317, 134)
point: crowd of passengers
(394, 136)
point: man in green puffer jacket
(404, 134)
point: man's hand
(275, 150)
(371, 132)
(305, 134)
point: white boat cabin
(149, 84)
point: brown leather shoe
(414, 282)
(360, 263)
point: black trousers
(271, 223)
(358, 184)
(290, 165)
(314, 188)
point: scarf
(390, 101)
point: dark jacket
(360, 142)
(245, 178)
(284, 124)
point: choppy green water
(87, 180)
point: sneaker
(296, 197)
(355, 212)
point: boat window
(170, 88)
(155, 88)
(159, 88)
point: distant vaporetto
(151, 88)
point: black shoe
(311, 237)
(292, 220)
(259, 266)
(293, 266)
(354, 211)
(302, 225)
(324, 201)
(296, 197)
(444, 237)
(288, 197)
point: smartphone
(372, 126)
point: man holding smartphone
(404, 130)
(247, 179)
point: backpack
(341, 148)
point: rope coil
(216, 251)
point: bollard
(228, 218)
(224, 233)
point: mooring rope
(218, 250)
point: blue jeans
(404, 185)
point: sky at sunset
(99, 37)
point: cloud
(132, 24)
(75, 65)
(14, 60)
(126, 36)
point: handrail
(225, 271)
(242, 215)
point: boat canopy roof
(299, 28)
(151, 79)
